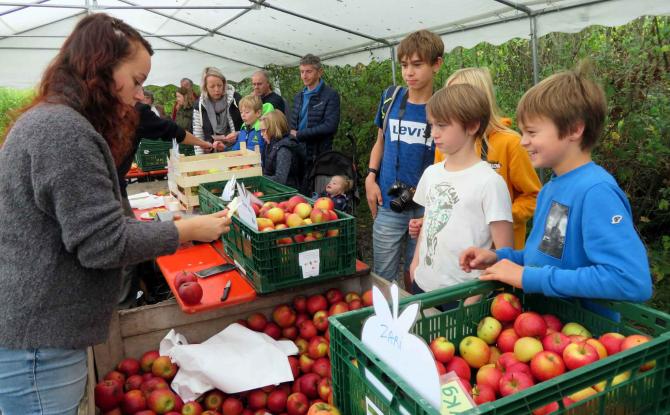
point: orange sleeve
(438, 156)
(524, 181)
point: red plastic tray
(200, 257)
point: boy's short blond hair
(462, 103)
(347, 182)
(275, 124)
(251, 102)
(567, 98)
(427, 45)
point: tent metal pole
(317, 21)
(393, 65)
(210, 31)
(533, 49)
(133, 7)
(6, 12)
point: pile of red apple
(141, 387)
(514, 350)
(295, 212)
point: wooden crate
(230, 163)
(137, 330)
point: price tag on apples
(388, 336)
(244, 210)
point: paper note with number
(309, 261)
(244, 210)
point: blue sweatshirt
(583, 243)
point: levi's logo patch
(410, 132)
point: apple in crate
(526, 348)
(443, 350)
(575, 329)
(475, 351)
(577, 355)
(284, 316)
(322, 408)
(108, 394)
(635, 340)
(555, 342)
(164, 368)
(546, 365)
(488, 329)
(303, 210)
(513, 382)
(612, 342)
(505, 307)
(324, 203)
(530, 324)
(297, 404)
(147, 360)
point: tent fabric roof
(241, 36)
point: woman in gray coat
(63, 235)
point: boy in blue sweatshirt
(583, 243)
(251, 109)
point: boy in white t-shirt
(466, 202)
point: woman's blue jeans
(41, 381)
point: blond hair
(251, 102)
(347, 183)
(462, 103)
(481, 78)
(568, 98)
(206, 73)
(275, 124)
(428, 46)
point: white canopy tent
(241, 36)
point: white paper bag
(234, 360)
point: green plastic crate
(209, 193)
(644, 393)
(269, 266)
(153, 154)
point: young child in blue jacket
(251, 109)
(583, 243)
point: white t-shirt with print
(459, 206)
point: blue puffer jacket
(323, 118)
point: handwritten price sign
(454, 399)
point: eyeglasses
(263, 130)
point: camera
(403, 195)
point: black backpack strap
(389, 98)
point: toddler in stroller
(337, 189)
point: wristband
(375, 171)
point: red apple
(303, 210)
(192, 408)
(257, 399)
(300, 303)
(133, 382)
(276, 402)
(577, 355)
(506, 340)
(290, 333)
(319, 216)
(318, 347)
(338, 308)
(530, 324)
(129, 366)
(575, 329)
(322, 408)
(489, 375)
(153, 384)
(300, 317)
(190, 293)
(555, 342)
(133, 401)
(518, 367)
(293, 202)
(325, 388)
(513, 382)
(506, 360)
(553, 322)
(272, 330)
(636, 340)
(320, 320)
(443, 350)
(546, 365)
(367, 298)
(355, 304)
(306, 363)
(441, 369)
(324, 203)
(600, 348)
(161, 401)
(307, 330)
(612, 342)
(108, 394)
(164, 368)
(322, 367)
(482, 394)
(182, 277)
(117, 376)
(297, 404)
(214, 400)
(284, 316)
(309, 385)
(147, 360)
(316, 302)
(352, 295)
(301, 344)
(505, 307)
(460, 366)
(295, 366)
(334, 295)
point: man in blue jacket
(316, 112)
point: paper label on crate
(387, 333)
(244, 210)
(454, 399)
(309, 262)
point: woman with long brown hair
(64, 237)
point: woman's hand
(205, 228)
